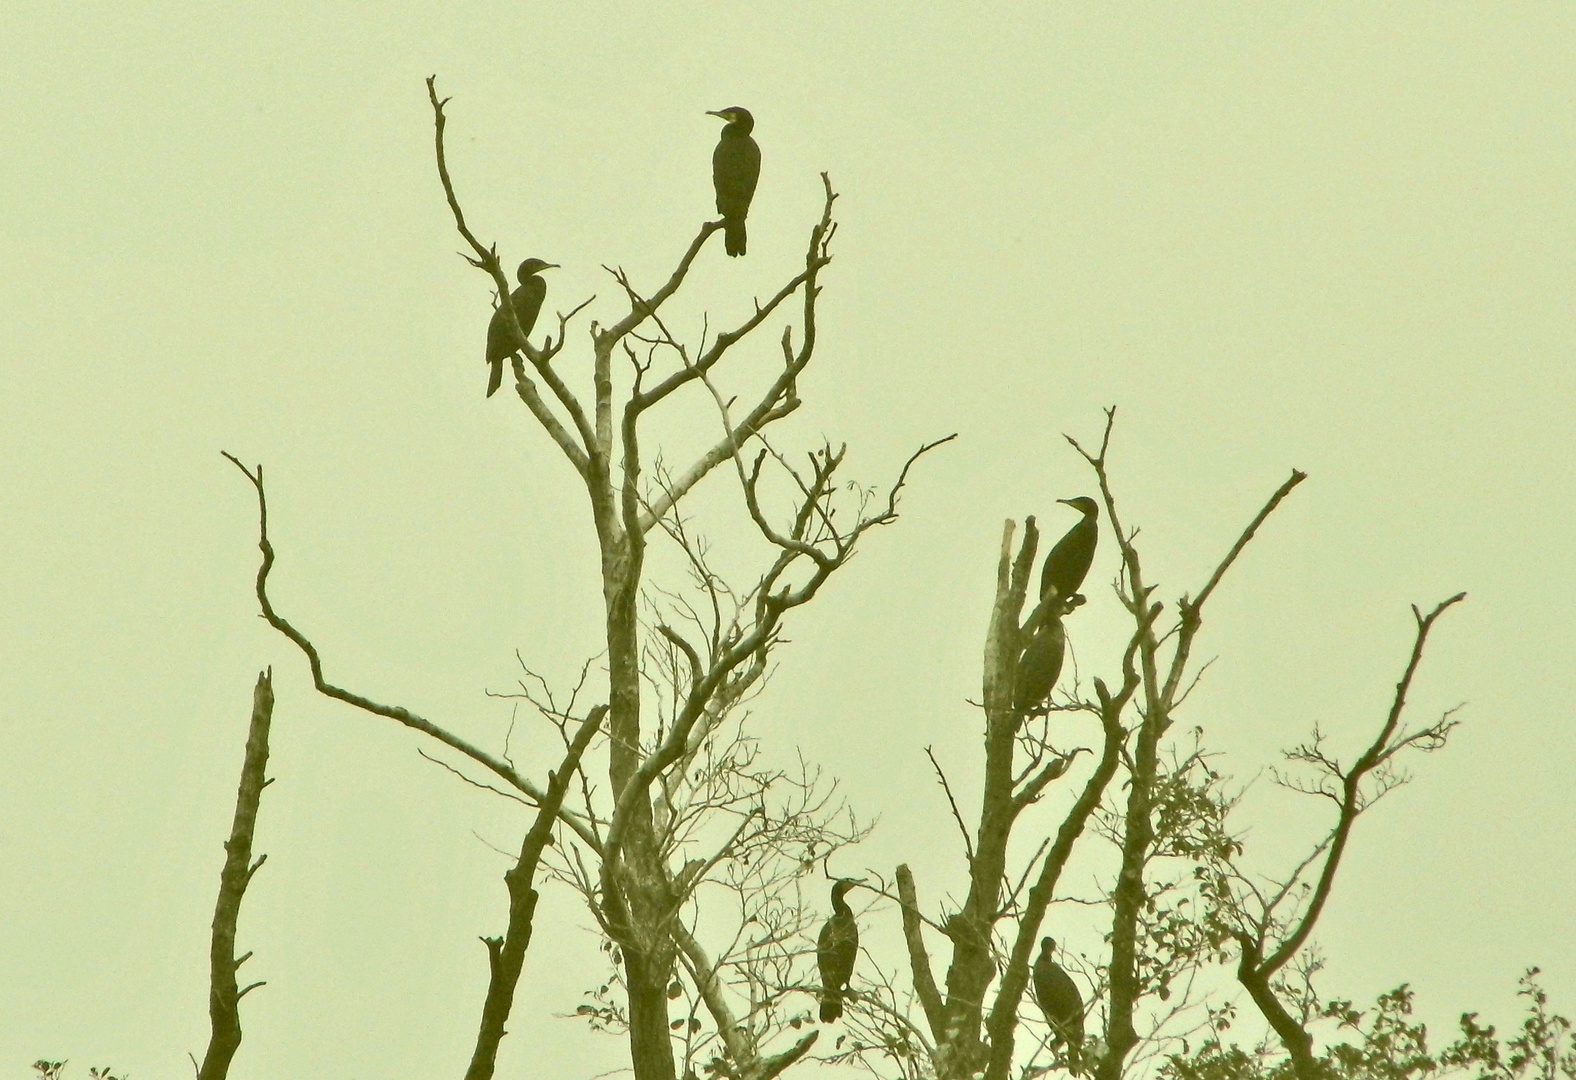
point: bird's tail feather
(495, 380)
(733, 236)
(831, 1000)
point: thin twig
(968, 845)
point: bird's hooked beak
(1066, 502)
(720, 112)
(549, 266)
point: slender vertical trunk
(621, 587)
(223, 994)
(1138, 834)
(647, 948)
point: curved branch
(393, 712)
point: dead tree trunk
(973, 961)
(224, 997)
(1008, 790)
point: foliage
(55, 1070)
(1385, 1043)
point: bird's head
(1084, 505)
(736, 116)
(1047, 945)
(841, 886)
(532, 267)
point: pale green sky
(1338, 237)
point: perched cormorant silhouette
(527, 301)
(735, 167)
(835, 950)
(1069, 560)
(1040, 664)
(1062, 1004)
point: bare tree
(1175, 899)
(637, 853)
(695, 856)
(1028, 747)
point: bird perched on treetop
(735, 167)
(835, 951)
(527, 301)
(1070, 559)
(1062, 1004)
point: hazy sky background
(1337, 237)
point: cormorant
(527, 300)
(1040, 664)
(735, 167)
(1069, 560)
(835, 951)
(1062, 1004)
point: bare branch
(919, 959)
(1281, 492)
(393, 712)
(1255, 971)
(777, 401)
(1053, 770)
(968, 844)
(223, 997)
(506, 956)
(1349, 810)
(1191, 611)
(640, 310)
(444, 765)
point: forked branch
(777, 401)
(1256, 934)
